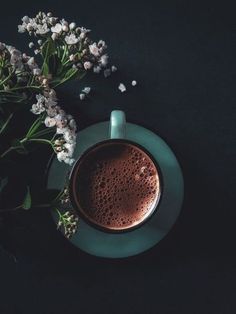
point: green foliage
(27, 200)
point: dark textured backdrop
(182, 53)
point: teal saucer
(99, 243)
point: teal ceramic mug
(86, 182)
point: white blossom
(71, 39)
(104, 60)
(88, 65)
(31, 44)
(94, 50)
(57, 28)
(134, 83)
(113, 68)
(54, 36)
(50, 122)
(97, 69)
(72, 26)
(42, 29)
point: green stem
(34, 127)
(7, 151)
(66, 79)
(6, 79)
(6, 123)
(39, 140)
(43, 132)
(21, 88)
(10, 209)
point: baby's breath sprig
(69, 222)
(68, 219)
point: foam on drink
(117, 185)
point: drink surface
(116, 185)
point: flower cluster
(15, 67)
(78, 49)
(56, 117)
(68, 218)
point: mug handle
(117, 124)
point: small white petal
(72, 26)
(88, 65)
(134, 83)
(82, 96)
(122, 87)
(113, 68)
(86, 90)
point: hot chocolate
(116, 185)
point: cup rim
(97, 226)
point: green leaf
(4, 124)
(3, 183)
(19, 147)
(27, 200)
(47, 51)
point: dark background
(182, 54)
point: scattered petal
(122, 88)
(134, 83)
(82, 96)
(113, 68)
(86, 90)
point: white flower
(104, 60)
(69, 161)
(21, 29)
(88, 65)
(61, 120)
(50, 122)
(71, 57)
(101, 44)
(72, 26)
(37, 71)
(69, 148)
(31, 44)
(37, 51)
(25, 19)
(94, 50)
(86, 90)
(122, 87)
(72, 124)
(54, 36)
(61, 156)
(134, 83)
(42, 29)
(107, 72)
(57, 28)
(65, 28)
(97, 69)
(113, 68)
(69, 136)
(81, 96)
(71, 39)
(40, 42)
(37, 108)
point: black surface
(183, 56)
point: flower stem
(7, 151)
